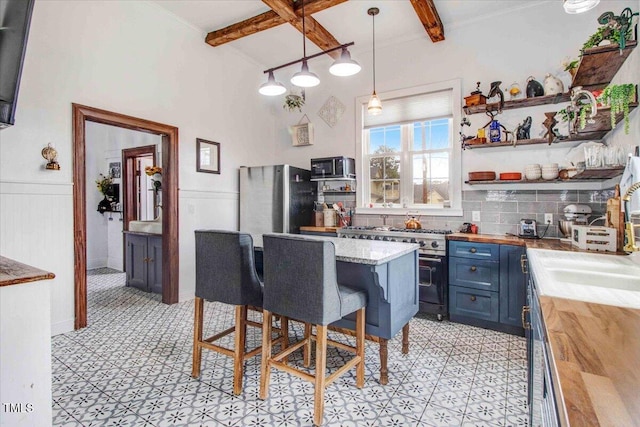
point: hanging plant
(567, 114)
(618, 98)
(293, 102)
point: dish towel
(630, 176)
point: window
(408, 156)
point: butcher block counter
(594, 348)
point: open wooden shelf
(519, 103)
(596, 131)
(599, 64)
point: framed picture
(114, 169)
(207, 156)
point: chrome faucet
(629, 227)
(384, 219)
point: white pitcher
(552, 85)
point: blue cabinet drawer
(487, 251)
(474, 303)
(474, 273)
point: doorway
(81, 115)
(141, 202)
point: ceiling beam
(264, 21)
(315, 32)
(426, 11)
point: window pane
(439, 134)
(385, 140)
(418, 137)
(431, 178)
(392, 191)
(384, 167)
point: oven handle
(423, 258)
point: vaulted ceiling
(269, 31)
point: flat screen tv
(15, 17)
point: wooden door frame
(82, 114)
(130, 214)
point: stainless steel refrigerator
(275, 199)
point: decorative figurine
(494, 131)
(549, 123)
(495, 90)
(620, 23)
(514, 90)
(534, 88)
(552, 85)
(523, 131)
(476, 97)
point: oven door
(432, 282)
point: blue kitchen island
(388, 273)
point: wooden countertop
(13, 273)
(319, 229)
(595, 355)
(550, 243)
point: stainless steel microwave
(333, 168)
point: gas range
(431, 241)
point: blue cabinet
(486, 285)
(143, 261)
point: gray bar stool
(225, 272)
(300, 283)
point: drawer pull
(473, 297)
(473, 268)
(523, 264)
(150, 259)
(525, 309)
(473, 250)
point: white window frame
(455, 165)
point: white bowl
(532, 166)
(549, 175)
(550, 166)
(532, 176)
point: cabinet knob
(473, 268)
(473, 297)
(525, 310)
(473, 250)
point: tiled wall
(501, 210)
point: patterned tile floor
(131, 367)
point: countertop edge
(13, 272)
(550, 243)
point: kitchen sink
(611, 280)
(154, 227)
(592, 277)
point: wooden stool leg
(238, 351)
(321, 364)
(265, 370)
(405, 339)
(306, 350)
(384, 371)
(360, 347)
(197, 337)
(284, 326)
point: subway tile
(474, 195)
(501, 195)
(600, 196)
(500, 206)
(511, 218)
(475, 205)
(567, 196)
(499, 229)
(525, 195)
(489, 216)
(538, 207)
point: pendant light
(375, 106)
(272, 87)
(345, 66)
(304, 78)
(579, 6)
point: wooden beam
(315, 32)
(426, 11)
(264, 21)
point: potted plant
(104, 186)
(618, 98)
(571, 66)
(579, 120)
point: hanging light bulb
(375, 106)
(345, 66)
(272, 87)
(579, 6)
(305, 78)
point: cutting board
(615, 217)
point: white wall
(134, 58)
(532, 41)
(104, 145)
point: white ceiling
(348, 21)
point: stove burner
(421, 230)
